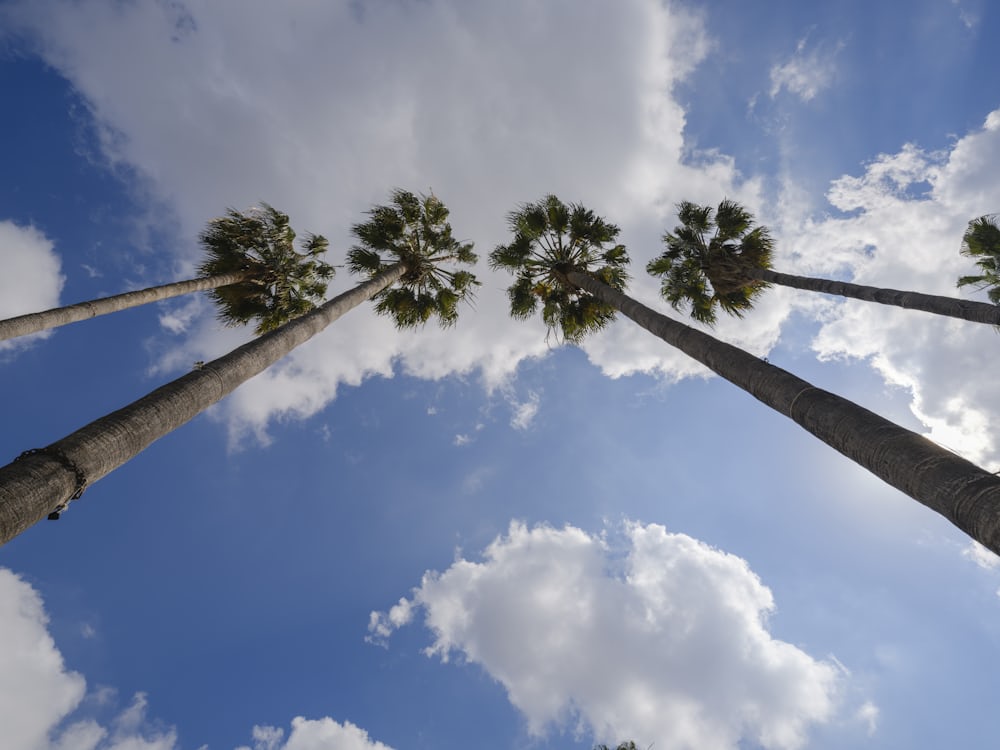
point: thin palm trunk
(978, 312)
(22, 325)
(962, 492)
(41, 482)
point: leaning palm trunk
(959, 490)
(41, 482)
(978, 312)
(22, 325)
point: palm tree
(962, 492)
(718, 259)
(982, 242)
(403, 243)
(251, 269)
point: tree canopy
(283, 283)
(414, 230)
(981, 242)
(551, 239)
(706, 258)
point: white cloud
(667, 643)
(908, 212)
(177, 318)
(969, 18)
(382, 624)
(40, 700)
(31, 278)
(807, 72)
(36, 689)
(325, 108)
(868, 714)
(403, 114)
(320, 734)
(524, 411)
(984, 558)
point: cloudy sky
(475, 537)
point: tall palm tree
(981, 241)
(962, 492)
(404, 243)
(251, 269)
(718, 259)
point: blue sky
(474, 537)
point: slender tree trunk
(978, 312)
(959, 490)
(22, 325)
(42, 482)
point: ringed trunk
(962, 492)
(43, 481)
(22, 325)
(977, 312)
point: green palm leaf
(981, 242)
(550, 239)
(414, 230)
(705, 260)
(283, 283)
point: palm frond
(414, 230)
(364, 261)
(550, 239)
(981, 241)
(705, 273)
(283, 283)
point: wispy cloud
(981, 556)
(807, 72)
(969, 18)
(524, 411)
(868, 715)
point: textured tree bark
(962, 492)
(22, 325)
(42, 482)
(978, 312)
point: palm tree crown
(414, 231)
(552, 239)
(706, 258)
(982, 242)
(283, 283)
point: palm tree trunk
(978, 312)
(41, 482)
(962, 492)
(22, 325)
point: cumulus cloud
(319, 734)
(665, 641)
(39, 695)
(31, 280)
(41, 701)
(899, 225)
(36, 689)
(325, 108)
(807, 72)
